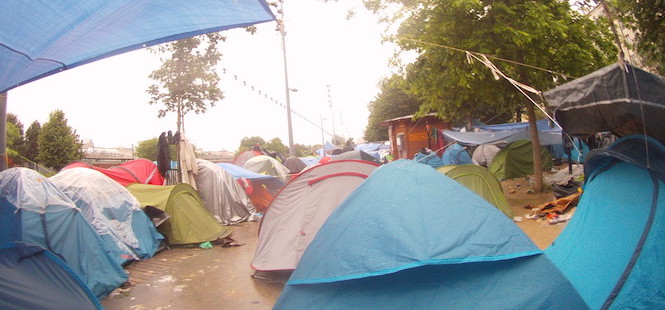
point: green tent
(189, 221)
(481, 181)
(516, 160)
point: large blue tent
(35, 211)
(411, 238)
(612, 249)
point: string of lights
(268, 98)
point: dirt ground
(521, 197)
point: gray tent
(606, 99)
(222, 195)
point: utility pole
(282, 31)
(3, 131)
(332, 114)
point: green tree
(187, 80)
(302, 150)
(276, 145)
(58, 143)
(544, 34)
(15, 139)
(247, 143)
(647, 19)
(148, 149)
(393, 101)
(31, 149)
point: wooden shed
(408, 136)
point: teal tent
(35, 211)
(612, 250)
(411, 238)
(35, 278)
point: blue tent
(430, 159)
(127, 232)
(411, 238)
(34, 278)
(33, 210)
(612, 251)
(48, 37)
(456, 154)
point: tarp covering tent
(300, 208)
(411, 238)
(356, 155)
(264, 164)
(47, 37)
(222, 196)
(612, 249)
(484, 154)
(189, 221)
(456, 154)
(260, 188)
(480, 181)
(605, 100)
(35, 211)
(111, 209)
(34, 278)
(549, 137)
(516, 160)
(138, 170)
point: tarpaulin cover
(34, 278)
(222, 195)
(612, 248)
(541, 124)
(603, 100)
(189, 221)
(549, 137)
(116, 215)
(300, 208)
(41, 38)
(411, 238)
(35, 211)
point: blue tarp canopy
(541, 124)
(41, 38)
(411, 238)
(546, 137)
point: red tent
(138, 170)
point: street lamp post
(282, 31)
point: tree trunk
(179, 118)
(535, 143)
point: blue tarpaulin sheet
(41, 38)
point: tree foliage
(544, 34)
(276, 145)
(31, 149)
(647, 19)
(247, 143)
(15, 139)
(148, 149)
(58, 143)
(187, 80)
(393, 101)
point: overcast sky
(106, 102)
